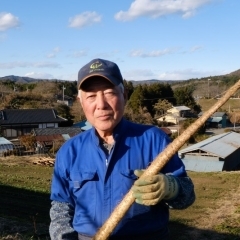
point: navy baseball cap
(101, 68)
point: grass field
(230, 105)
(24, 201)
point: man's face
(103, 104)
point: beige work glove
(152, 189)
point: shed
(217, 120)
(46, 137)
(217, 153)
(5, 145)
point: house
(46, 137)
(18, 122)
(217, 120)
(176, 114)
(218, 153)
(5, 146)
(65, 100)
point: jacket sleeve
(61, 215)
(186, 195)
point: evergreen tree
(136, 101)
(128, 85)
(184, 96)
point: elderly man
(95, 169)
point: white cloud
(56, 49)
(157, 53)
(12, 65)
(54, 52)
(68, 77)
(158, 8)
(138, 74)
(195, 48)
(84, 19)
(39, 75)
(177, 75)
(78, 54)
(51, 55)
(186, 74)
(7, 21)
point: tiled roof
(49, 138)
(71, 131)
(27, 116)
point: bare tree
(161, 107)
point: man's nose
(101, 101)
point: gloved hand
(152, 189)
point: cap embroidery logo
(95, 65)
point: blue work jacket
(94, 182)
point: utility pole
(218, 88)
(63, 92)
(208, 88)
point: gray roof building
(217, 153)
(18, 122)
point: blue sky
(148, 39)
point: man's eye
(109, 94)
(91, 97)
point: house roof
(216, 114)
(215, 119)
(4, 141)
(49, 135)
(221, 145)
(49, 138)
(71, 131)
(27, 116)
(5, 144)
(180, 108)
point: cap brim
(94, 75)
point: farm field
(25, 187)
(230, 105)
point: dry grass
(230, 105)
(216, 211)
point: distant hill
(152, 81)
(19, 79)
(235, 73)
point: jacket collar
(117, 132)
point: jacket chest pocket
(83, 186)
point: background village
(38, 116)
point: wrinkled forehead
(96, 82)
